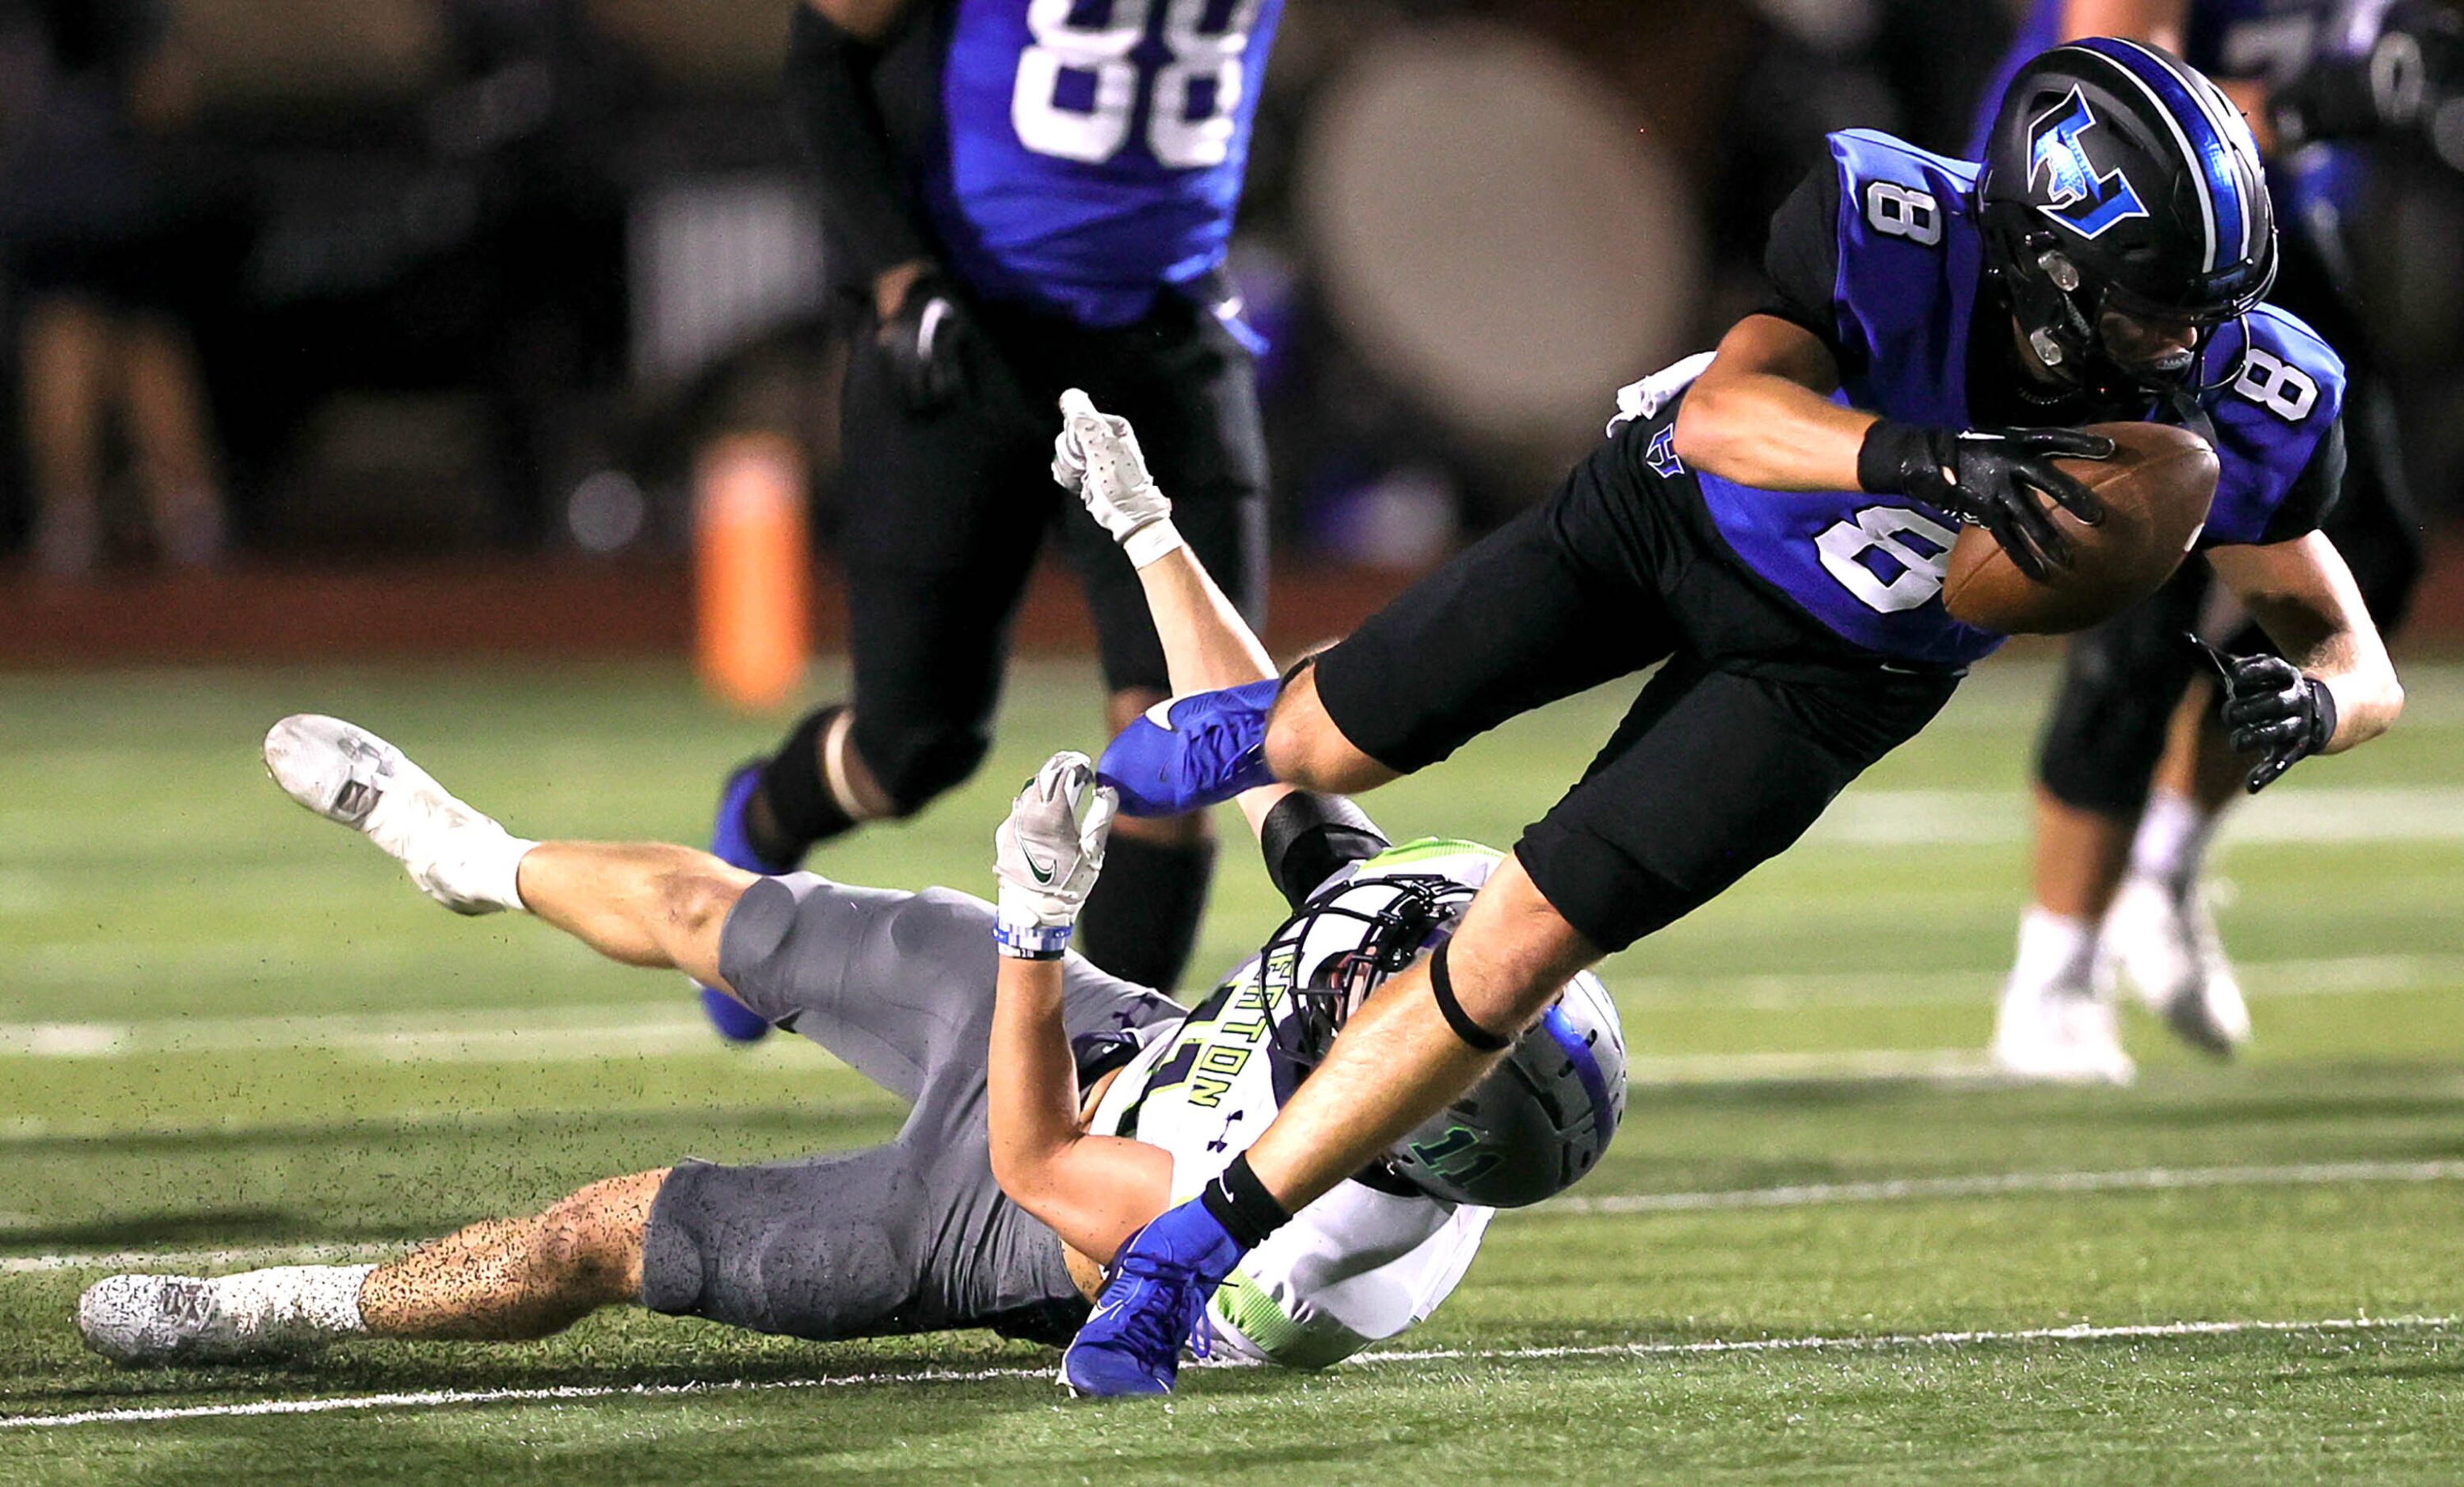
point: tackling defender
(1056, 1109)
(1776, 533)
(1026, 198)
(2118, 864)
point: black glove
(925, 340)
(1983, 476)
(2276, 711)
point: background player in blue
(1026, 195)
(2117, 879)
(1776, 536)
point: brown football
(2155, 490)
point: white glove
(1049, 854)
(1097, 458)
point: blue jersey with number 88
(1096, 147)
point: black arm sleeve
(2314, 492)
(1309, 838)
(1802, 259)
(831, 106)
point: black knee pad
(2105, 734)
(915, 762)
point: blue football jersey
(2269, 39)
(1095, 148)
(1906, 290)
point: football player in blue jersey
(2129, 784)
(1025, 195)
(1774, 535)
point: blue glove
(1193, 751)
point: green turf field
(1821, 1248)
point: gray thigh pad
(870, 1243)
(899, 985)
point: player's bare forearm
(1094, 1192)
(2304, 596)
(2158, 22)
(866, 20)
(1398, 1061)
(1207, 645)
(1762, 416)
(2166, 23)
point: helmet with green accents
(1536, 1124)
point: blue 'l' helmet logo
(2076, 195)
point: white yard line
(245, 1256)
(548, 1033)
(2335, 976)
(2334, 813)
(1982, 1185)
(445, 1398)
(538, 1034)
(1884, 1066)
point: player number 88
(1203, 56)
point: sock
(1242, 1204)
(792, 806)
(294, 1303)
(2171, 843)
(1141, 921)
(2055, 951)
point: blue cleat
(1192, 750)
(1154, 1301)
(736, 1022)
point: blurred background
(400, 325)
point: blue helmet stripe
(1587, 1067)
(2205, 146)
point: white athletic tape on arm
(1152, 542)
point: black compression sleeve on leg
(1308, 838)
(1141, 921)
(799, 798)
(1242, 1204)
(1441, 985)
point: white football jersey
(1357, 1265)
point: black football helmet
(2118, 178)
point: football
(2155, 490)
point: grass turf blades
(233, 1028)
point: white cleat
(2164, 944)
(2065, 1034)
(347, 775)
(166, 1319)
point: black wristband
(1442, 985)
(1882, 459)
(2325, 707)
(1242, 1204)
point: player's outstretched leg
(2160, 934)
(772, 811)
(731, 843)
(502, 1280)
(457, 856)
(648, 904)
